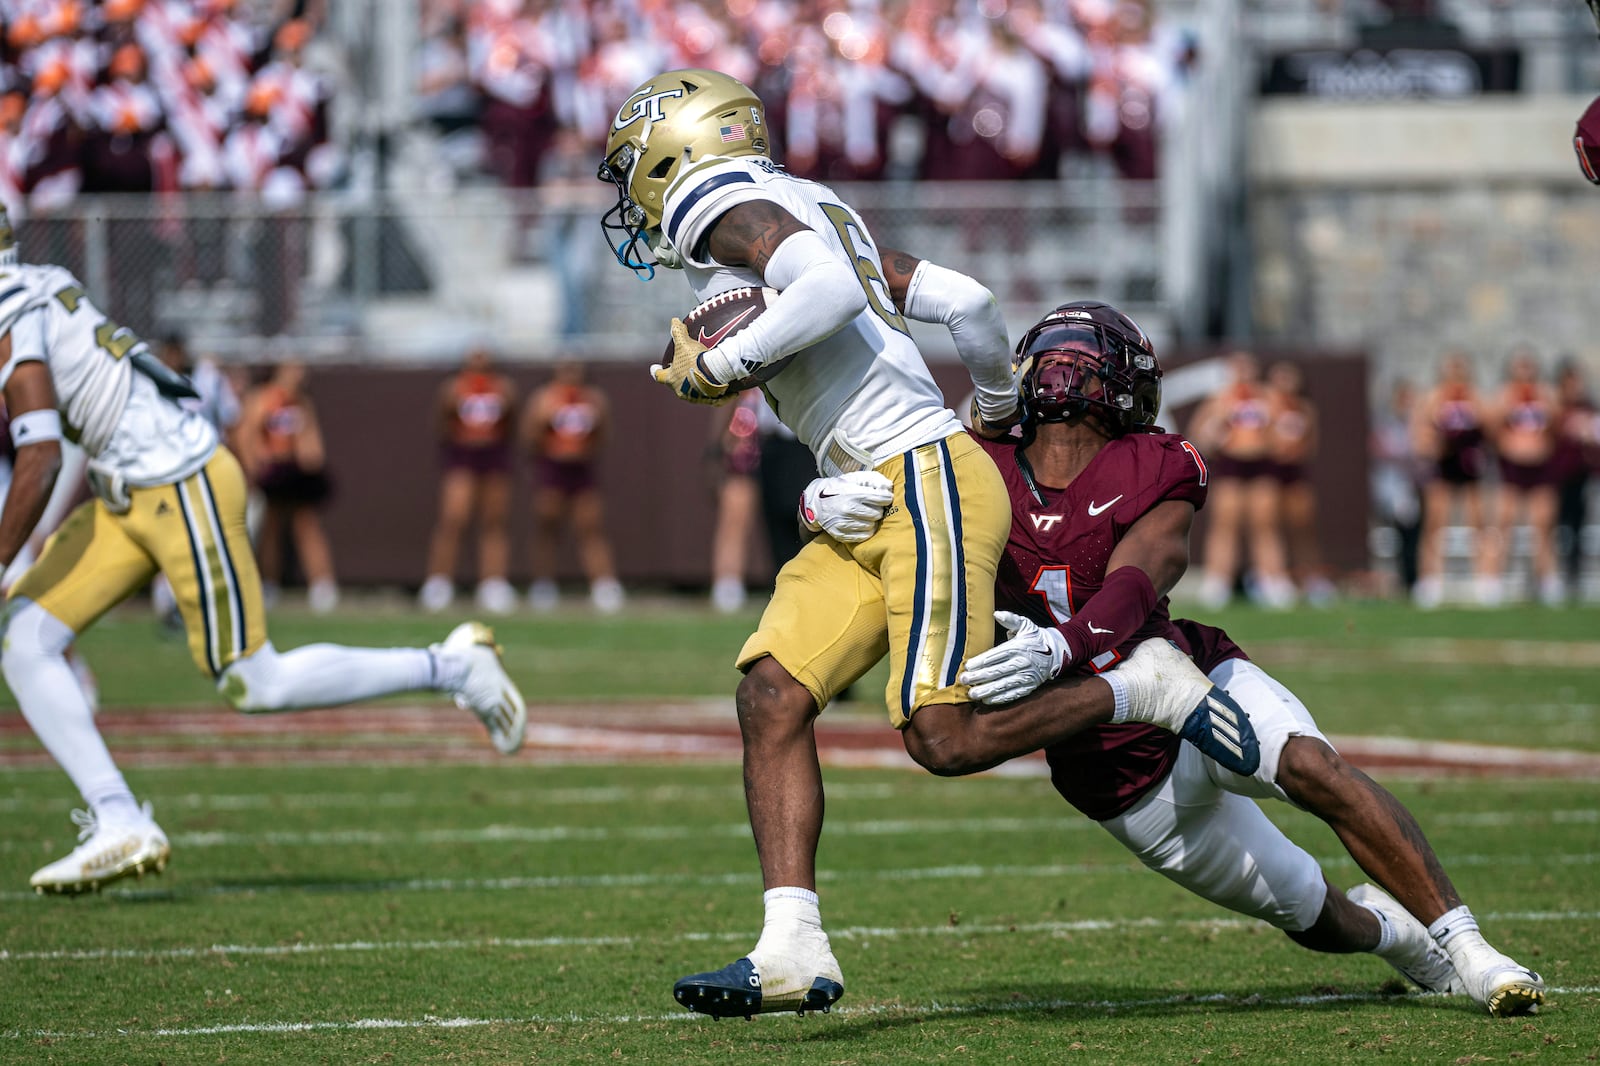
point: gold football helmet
(664, 125)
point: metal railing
(413, 277)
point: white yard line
(965, 872)
(846, 933)
(934, 1009)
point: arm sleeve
(1111, 616)
(971, 314)
(818, 294)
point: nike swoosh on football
(711, 340)
(1097, 508)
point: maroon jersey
(1055, 560)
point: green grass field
(527, 911)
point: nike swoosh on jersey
(1097, 508)
(1092, 627)
(711, 340)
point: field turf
(530, 910)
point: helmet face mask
(668, 123)
(1088, 358)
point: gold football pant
(193, 532)
(920, 589)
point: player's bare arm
(898, 269)
(1157, 544)
(749, 233)
(30, 389)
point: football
(721, 317)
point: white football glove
(847, 508)
(1030, 656)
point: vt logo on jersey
(644, 104)
(1045, 522)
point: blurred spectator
(787, 466)
(1233, 429)
(1523, 426)
(143, 95)
(563, 426)
(476, 410)
(1576, 459)
(855, 89)
(736, 453)
(1397, 478)
(1294, 435)
(280, 447)
(1448, 429)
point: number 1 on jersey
(1054, 583)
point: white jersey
(116, 413)
(867, 386)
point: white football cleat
(487, 690)
(1496, 981)
(1414, 954)
(106, 852)
(436, 593)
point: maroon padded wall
(379, 425)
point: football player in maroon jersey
(1102, 502)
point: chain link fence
(417, 278)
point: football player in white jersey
(914, 532)
(169, 499)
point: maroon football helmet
(1587, 142)
(1089, 357)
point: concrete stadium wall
(379, 425)
(1404, 229)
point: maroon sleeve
(1111, 616)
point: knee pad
(252, 684)
(31, 632)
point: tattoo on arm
(898, 267)
(749, 233)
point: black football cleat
(1167, 689)
(1221, 729)
(735, 992)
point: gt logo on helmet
(644, 104)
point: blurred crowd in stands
(161, 95)
(855, 89)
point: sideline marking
(964, 872)
(945, 1009)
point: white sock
(330, 675)
(1386, 933)
(792, 915)
(35, 667)
(1452, 924)
(1119, 693)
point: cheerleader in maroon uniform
(476, 409)
(563, 426)
(1577, 458)
(1523, 427)
(1294, 444)
(1448, 429)
(1234, 427)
